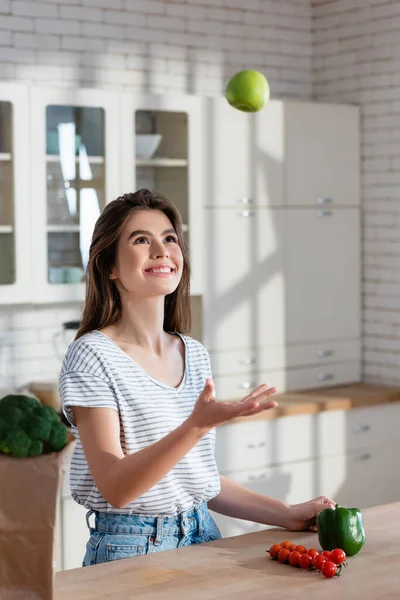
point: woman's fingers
(257, 408)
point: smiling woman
(139, 395)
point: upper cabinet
(162, 150)
(288, 154)
(75, 172)
(322, 154)
(15, 202)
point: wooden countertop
(239, 567)
(343, 397)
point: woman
(139, 395)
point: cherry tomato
(292, 547)
(273, 551)
(312, 552)
(301, 549)
(338, 556)
(327, 553)
(318, 560)
(328, 568)
(283, 555)
(294, 558)
(305, 561)
(286, 544)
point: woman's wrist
(195, 428)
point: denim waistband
(131, 524)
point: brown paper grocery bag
(29, 489)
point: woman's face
(149, 259)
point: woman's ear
(113, 274)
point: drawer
(347, 430)
(231, 387)
(233, 362)
(323, 353)
(242, 446)
(323, 376)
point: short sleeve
(83, 389)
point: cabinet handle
(361, 428)
(246, 213)
(324, 213)
(256, 477)
(325, 376)
(246, 201)
(260, 445)
(247, 384)
(322, 353)
(364, 456)
(247, 361)
(323, 200)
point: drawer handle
(246, 201)
(246, 213)
(324, 213)
(361, 428)
(247, 361)
(257, 477)
(323, 200)
(322, 353)
(260, 445)
(364, 456)
(247, 384)
(325, 376)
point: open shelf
(99, 160)
(6, 228)
(5, 156)
(62, 228)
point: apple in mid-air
(248, 91)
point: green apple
(247, 91)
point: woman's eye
(171, 238)
(141, 240)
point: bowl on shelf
(52, 146)
(146, 145)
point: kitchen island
(239, 567)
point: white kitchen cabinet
(75, 533)
(16, 195)
(322, 153)
(244, 155)
(244, 279)
(175, 168)
(75, 173)
(323, 289)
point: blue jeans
(117, 536)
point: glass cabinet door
(75, 172)
(7, 220)
(75, 177)
(162, 141)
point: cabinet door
(75, 533)
(244, 279)
(322, 274)
(365, 478)
(161, 143)
(322, 154)
(15, 198)
(75, 172)
(228, 155)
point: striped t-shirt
(97, 373)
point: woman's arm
(236, 501)
(121, 479)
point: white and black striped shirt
(97, 373)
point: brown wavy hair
(102, 302)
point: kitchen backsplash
(32, 342)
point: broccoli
(27, 428)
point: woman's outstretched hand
(208, 412)
(303, 516)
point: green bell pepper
(341, 528)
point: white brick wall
(189, 46)
(356, 59)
